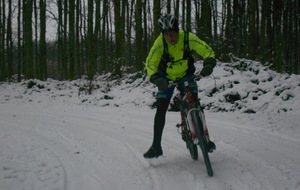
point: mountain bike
(193, 125)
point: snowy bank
(243, 86)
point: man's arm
(205, 51)
(154, 57)
(200, 47)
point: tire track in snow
(255, 154)
(247, 156)
(147, 166)
(79, 162)
(111, 138)
(44, 169)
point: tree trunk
(3, 70)
(188, 15)
(227, 31)
(183, 20)
(269, 32)
(65, 45)
(177, 5)
(90, 41)
(119, 36)
(138, 35)
(145, 37)
(252, 28)
(168, 6)
(97, 33)
(205, 20)
(28, 54)
(156, 15)
(72, 50)
(103, 44)
(78, 56)
(59, 39)
(9, 42)
(42, 54)
(277, 17)
(19, 48)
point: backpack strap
(188, 54)
(186, 46)
(162, 67)
(166, 56)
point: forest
(98, 36)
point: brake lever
(198, 77)
(171, 84)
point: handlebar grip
(198, 77)
(171, 84)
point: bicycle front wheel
(189, 141)
(198, 126)
(193, 149)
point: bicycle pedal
(211, 146)
(178, 125)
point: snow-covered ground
(55, 136)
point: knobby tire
(189, 142)
(193, 151)
(202, 141)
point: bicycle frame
(193, 122)
(186, 97)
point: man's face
(171, 37)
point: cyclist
(171, 58)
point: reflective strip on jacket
(178, 67)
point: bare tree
(3, 72)
(252, 29)
(19, 41)
(119, 14)
(9, 42)
(156, 15)
(28, 52)
(104, 37)
(42, 44)
(72, 49)
(205, 27)
(90, 42)
(138, 35)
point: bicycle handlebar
(176, 82)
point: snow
(56, 136)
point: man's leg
(159, 120)
(159, 123)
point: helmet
(168, 23)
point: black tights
(159, 120)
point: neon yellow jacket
(178, 67)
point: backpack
(187, 55)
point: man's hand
(160, 82)
(208, 66)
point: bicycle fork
(192, 126)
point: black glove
(208, 66)
(159, 81)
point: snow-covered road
(75, 147)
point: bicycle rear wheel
(202, 140)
